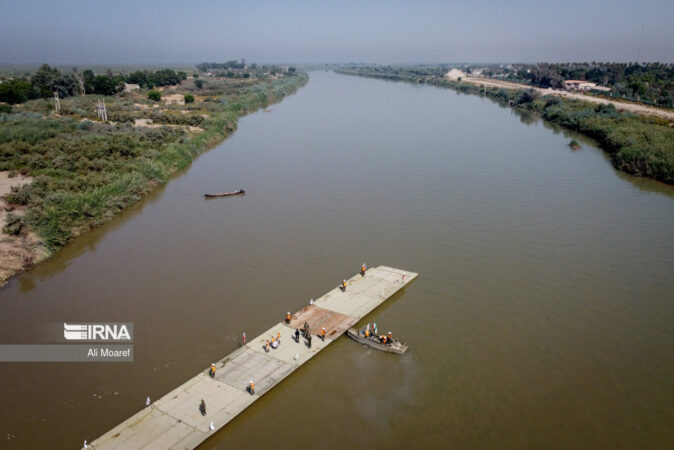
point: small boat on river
(373, 341)
(225, 194)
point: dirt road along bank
(636, 108)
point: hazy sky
(120, 31)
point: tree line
(47, 80)
(233, 64)
(650, 82)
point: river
(543, 316)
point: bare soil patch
(147, 123)
(178, 99)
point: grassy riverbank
(84, 171)
(642, 146)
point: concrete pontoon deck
(174, 421)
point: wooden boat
(225, 194)
(372, 341)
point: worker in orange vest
(363, 268)
(278, 337)
(367, 333)
(323, 333)
(211, 371)
(288, 317)
(251, 388)
(390, 338)
(344, 285)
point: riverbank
(85, 171)
(638, 145)
(621, 105)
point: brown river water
(543, 316)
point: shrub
(85, 125)
(154, 95)
(19, 195)
(199, 83)
(552, 100)
(189, 98)
(14, 225)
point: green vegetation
(189, 98)
(16, 91)
(85, 171)
(47, 80)
(642, 146)
(574, 144)
(164, 77)
(233, 64)
(651, 83)
(154, 95)
(14, 225)
(42, 84)
(236, 69)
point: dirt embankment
(17, 253)
(636, 108)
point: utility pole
(101, 112)
(57, 102)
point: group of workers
(305, 333)
(383, 338)
(275, 341)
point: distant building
(582, 85)
(455, 74)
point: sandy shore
(636, 108)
